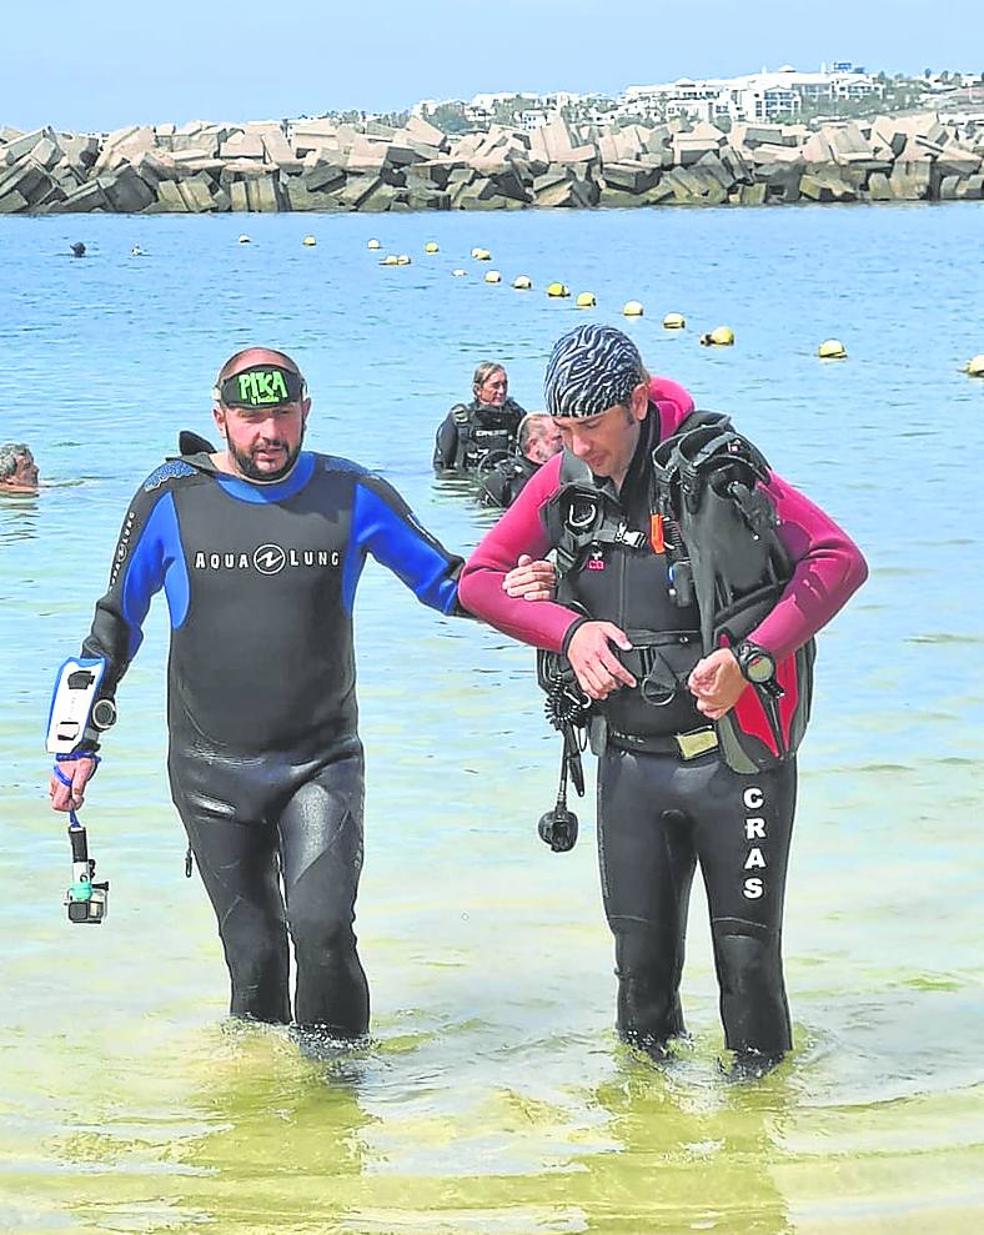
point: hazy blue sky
(111, 62)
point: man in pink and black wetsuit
(666, 797)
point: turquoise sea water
(494, 1097)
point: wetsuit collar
(262, 494)
(201, 460)
(649, 433)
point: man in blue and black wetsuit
(259, 548)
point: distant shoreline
(322, 166)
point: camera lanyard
(75, 825)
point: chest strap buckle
(624, 535)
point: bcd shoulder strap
(581, 514)
(710, 481)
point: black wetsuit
(472, 432)
(659, 812)
(658, 815)
(504, 483)
(265, 761)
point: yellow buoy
(585, 300)
(674, 321)
(522, 282)
(244, 239)
(403, 259)
(373, 244)
(390, 260)
(720, 336)
(632, 308)
(431, 247)
(481, 255)
(832, 349)
(558, 289)
(975, 366)
(309, 241)
(493, 276)
(459, 273)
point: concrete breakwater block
(125, 191)
(324, 165)
(28, 179)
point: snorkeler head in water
(18, 471)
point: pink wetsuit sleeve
(520, 530)
(829, 569)
(673, 400)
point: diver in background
(471, 432)
(18, 470)
(537, 440)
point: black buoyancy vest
(483, 431)
(721, 570)
(709, 487)
(610, 569)
(506, 480)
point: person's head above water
(597, 390)
(260, 407)
(18, 471)
(490, 384)
(538, 437)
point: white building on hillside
(760, 96)
(534, 118)
(489, 102)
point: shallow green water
(494, 1098)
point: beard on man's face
(249, 469)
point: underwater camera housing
(87, 902)
(90, 909)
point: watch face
(759, 667)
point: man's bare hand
(598, 669)
(79, 771)
(717, 683)
(531, 580)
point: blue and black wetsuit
(265, 761)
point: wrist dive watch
(756, 664)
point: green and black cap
(261, 385)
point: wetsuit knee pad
(648, 965)
(746, 959)
(753, 994)
(646, 952)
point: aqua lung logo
(268, 559)
(753, 800)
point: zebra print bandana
(590, 370)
